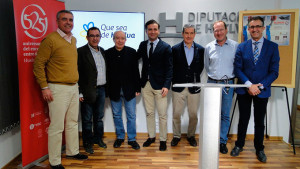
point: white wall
(10, 144)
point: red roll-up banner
(34, 19)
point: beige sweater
(56, 61)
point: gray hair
(188, 26)
(63, 11)
(115, 34)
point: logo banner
(34, 19)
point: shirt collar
(184, 44)
(226, 42)
(62, 34)
(261, 40)
(91, 48)
(154, 42)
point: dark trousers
(92, 115)
(260, 109)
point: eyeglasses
(219, 30)
(94, 36)
(257, 26)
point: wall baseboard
(14, 160)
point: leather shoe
(236, 151)
(192, 141)
(78, 157)
(148, 142)
(102, 144)
(163, 146)
(134, 145)
(261, 156)
(175, 141)
(59, 166)
(118, 143)
(223, 148)
(89, 148)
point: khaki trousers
(152, 97)
(63, 112)
(179, 99)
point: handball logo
(34, 21)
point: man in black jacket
(92, 80)
(188, 63)
(156, 81)
(123, 80)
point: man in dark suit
(123, 79)
(188, 64)
(92, 80)
(156, 81)
(256, 64)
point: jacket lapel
(262, 52)
(195, 52)
(157, 48)
(250, 51)
(90, 57)
(182, 51)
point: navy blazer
(184, 73)
(265, 71)
(87, 73)
(159, 67)
(122, 72)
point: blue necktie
(256, 52)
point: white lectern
(209, 137)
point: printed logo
(34, 21)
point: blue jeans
(116, 107)
(91, 115)
(225, 110)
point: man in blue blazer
(256, 64)
(155, 81)
(188, 64)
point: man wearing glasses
(256, 64)
(218, 59)
(92, 80)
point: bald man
(123, 80)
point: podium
(210, 114)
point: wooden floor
(280, 155)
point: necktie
(256, 52)
(151, 49)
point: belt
(221, 80)
(99, 86)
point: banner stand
(34, 20)
(35, 163)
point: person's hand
(254, 89)
(81, 99)
(164, 91)
(137, 93)
(47, 95)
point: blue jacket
(265, 71)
